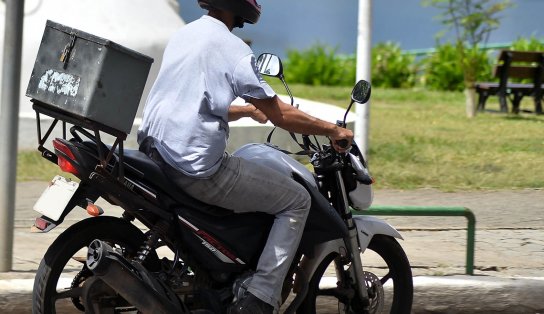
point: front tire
(61, 256)
(326, 297)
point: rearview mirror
(361, 92)
(270, 65)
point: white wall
(142, 25)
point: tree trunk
(470, 98)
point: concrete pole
(364, 58)
(9, 123)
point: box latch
(65, 56)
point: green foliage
(319, 65)
(473, 21)
(442, 71)
(392, 68)
(528, 44)
(479, 63)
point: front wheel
(388, 277)
(62, 271)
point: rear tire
(116, 231)
(399, 272)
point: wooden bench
(515, 65)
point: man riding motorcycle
(185, 130)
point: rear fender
(368, 226)
(82, 196)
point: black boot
(250, 304)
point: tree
(472, 21)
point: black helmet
(248, 10)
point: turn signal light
(94, 210)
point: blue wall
(298, 24)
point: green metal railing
(433, 211)
(427, 51)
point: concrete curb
(16, 295)
(478, 294)
(455, 294)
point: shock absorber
(148, 246)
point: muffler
(131, 281)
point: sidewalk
(509, 259)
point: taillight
(64, 163)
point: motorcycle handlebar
(342, 143)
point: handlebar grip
(342, 143)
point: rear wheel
(62, 271)
(387, 275)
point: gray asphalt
(509, 260)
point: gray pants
(243, 186)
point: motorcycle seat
(154, 175)
(138, 166)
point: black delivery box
(88, 77)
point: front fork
(353, 242)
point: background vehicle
(108, 264)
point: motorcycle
(197, 258)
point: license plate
(56, 196)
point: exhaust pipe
(133, 283)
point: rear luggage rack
(105, 155)
(110, 179)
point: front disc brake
(375, 292)
(375, 298)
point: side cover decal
(213, 244)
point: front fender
(368, 226)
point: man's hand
(249, 110)
(342, 134)
(258, 115)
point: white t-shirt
(204, 68)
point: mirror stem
(282, 78)
(347, 111)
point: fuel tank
(323, 223)
(272, 157)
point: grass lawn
(422, 139)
